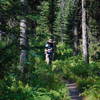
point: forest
(25, 28)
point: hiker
(49, 51)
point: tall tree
(62, 19)
(23, 36)
(75, 38)
(84, 33)
(75, 28)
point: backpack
(49, 47)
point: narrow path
(73, 90)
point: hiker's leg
(47, 59)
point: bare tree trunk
(62, 20)
(75, 31)
(84, 34)
(23, 38)
(75, 40)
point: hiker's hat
(50, 41)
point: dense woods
(26, 26)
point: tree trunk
(23, 38)
(84, 33)
(75, 40)
(62, 20)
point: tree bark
(23, 38)
(84, 33)
(62, 20)
(75, 40)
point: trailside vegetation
(25, 27)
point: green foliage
(63, 51)
(42, 81)
(86, 75)
(43, 84)
(64, 19)
(42, 22)
(33, 17)
(92, 93)
(2, 44)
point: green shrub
(86, 75)
(17, 90)
(63, 51)
(93, 92)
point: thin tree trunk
(75, 40)
(84, 34)
(23, 38)
(62, 20)
(75, 31)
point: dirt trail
(73, 90)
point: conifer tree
(84, 33)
